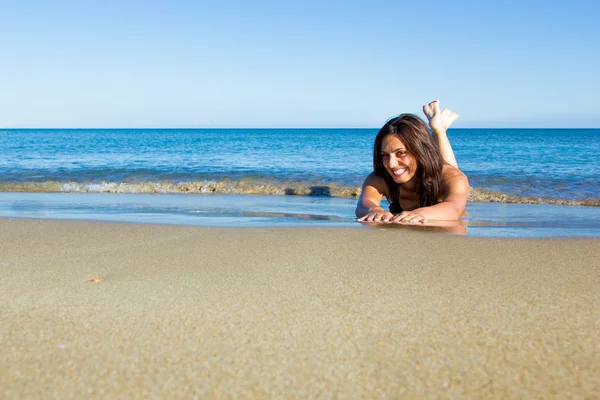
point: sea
(525, 182)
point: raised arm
(439, 122)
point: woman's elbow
(459, 210)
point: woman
(415, 172)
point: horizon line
(286, 127)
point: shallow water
(483, 219)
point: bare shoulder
(451, 173)
(456, 181)
(375, 182)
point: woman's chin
(401, 179)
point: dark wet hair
(414, 133)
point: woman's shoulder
(377, 182)
(451, 172)
(454, 178)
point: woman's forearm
(445, 211)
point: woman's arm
(450, 209)
(440, 121)
(368, 206)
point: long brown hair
(414, 133)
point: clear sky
(297, 63)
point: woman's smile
(399, 171)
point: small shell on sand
(95, 280)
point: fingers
(376, 217)
(408, 217)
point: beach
(121, 310)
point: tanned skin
(401, 167)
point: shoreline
(251, 187)
(185, 311)
(234, 210)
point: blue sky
(296, 63)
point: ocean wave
(476, 195)
(199, 187)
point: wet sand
(250, 187)
(180, 312)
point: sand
(184, 312)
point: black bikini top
(395, 207)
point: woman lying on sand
(419, 177)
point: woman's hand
(410, 217)
(377, 214)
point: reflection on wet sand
(454, 227)
(481, 219)
(308, 217)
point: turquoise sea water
(326, 165)
(548, 163)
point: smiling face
(399, 163)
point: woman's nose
(393, 161)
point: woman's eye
(385, 155)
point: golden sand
(179, 312)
